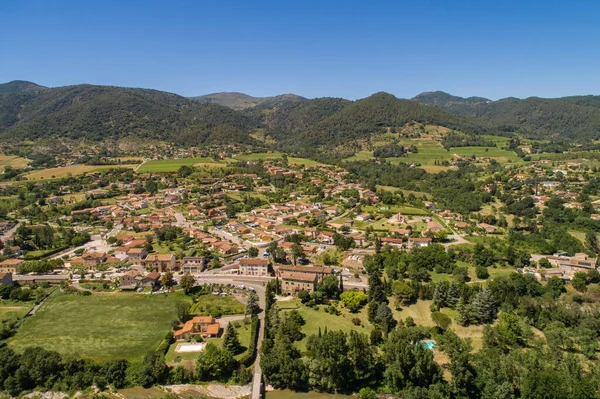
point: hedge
(250, 356)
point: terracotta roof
(11, 262)
(297, 276)
(255, 261)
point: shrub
(356, 321)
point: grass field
(421, 314)
(277, 155)
(209, 304)
(99, 327)
(500, 155)
(10, 309)
(172, 165)
(405, 210)
(55, 173)
(320, 318)
(14, 161)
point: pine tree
(464, 311)
(591, 242)
(231, 341)
(484, 306)
(341, 284)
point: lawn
(14, 161)
(320, 318)
(277, 155)
(11, 310)
(173, 165)
(99, 327)
(214, 304)
(421, 314)
(56, 173)
(405, 210)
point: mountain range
(30, 111)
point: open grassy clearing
(421, 314)
(320, 318)
(226, 305)
(14, 161)
(239, 196)
(56, 173)
(418, 194)
(173, 165)
(265, 156)
(99, 327)
(11, 310)
(500, 155)
(580, 235)
(405, 210)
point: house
(129, 280)
(136, 255)
(364, 217)
(6, 278)
(293, 282)
(150, 279)
(254, 267)
(91, 259)
(204, 326)
(318, 270)
(162, 262)
(395, 242)
(570, 265)
(193, 264)
(10, 265)
(419, 242)
(488, 228)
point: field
(320, 318)
(277, 155)
(500, 155)
(226, 305)
(14, 161)
(99, 327)
(11, 310)
(56, 173)
(421, 314)
(418, 194)
(172, 165)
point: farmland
(13, 161)
(277, 155)
(172, 165)
(99, 327)
(74, 170)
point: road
(8, 234)
(98, 243)
(258, 284)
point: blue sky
(320, 48)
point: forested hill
(103, 112)
(335, 122)
(568, 118)
(20, 86)
(240, 101)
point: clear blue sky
(318, 48)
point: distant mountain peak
(241, 101)
(20, 86)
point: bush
(482, 272)
(356, 321)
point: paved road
(258, 284)
(8, 234)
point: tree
(152, 370)
(484, 305)
(403, 292)
(231, 341)
(253, 252)
(384, 317)
(187, 282)
(555, 287)
(482, 272)
(183, 311)
(441, 320)
(297, 252)
(252, 306)
(167, 279)
(579, 281)
(353, 300)
(214, 363)
(185, 171)
(591, 242)
(150, 186)
(329, 286)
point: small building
(419, 242)
(162, 262)
(129, 280)
(150, 279)
(136, 255)
(193, 264)
(254, 267)
(204, 326)
(10, 265)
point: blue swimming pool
(428, 344)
